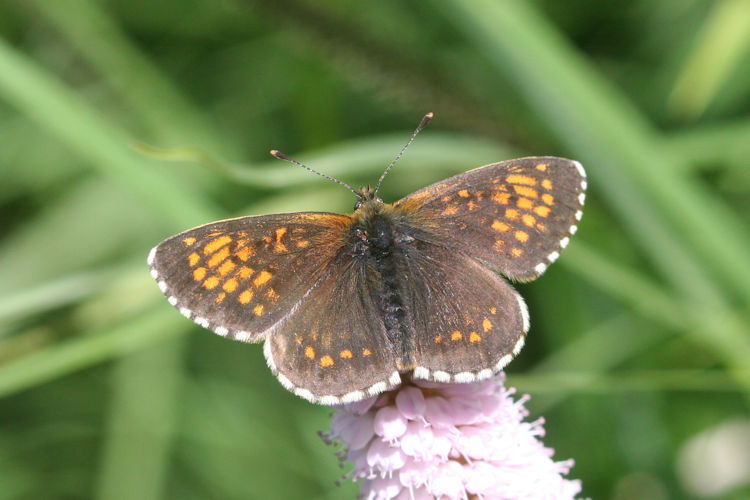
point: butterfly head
(367, 196)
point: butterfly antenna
(282, 156)
(419, 128)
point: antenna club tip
(425, 120)
(278, 154)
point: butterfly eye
(357, 205)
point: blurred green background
(640, 344)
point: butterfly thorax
(379, 247)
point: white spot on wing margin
(151, 255)
(464, 377)
(524, 311)
(271, 363)
(579, 167)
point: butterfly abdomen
(382, 251)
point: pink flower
(449, 441)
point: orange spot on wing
(471, 205)
(218, 257)
(499, 244)
(500, 226)
(456, 335)
(245, 272)
(214, 245)
(542, 167)
(547, 184)
(464, 193)
(188, 241)
(271, 295)
(522, 236)
(501, 198)
(541, 227)
(326, 361)
(193, 259)
(258, 310)
(346, 354)
(244, 253)
(524, 203)
(486, 325)
(279, 246)
(451, 210)
(548, 199)
(529, 220)
(310, 352)
(366, 352)
(262, 278)
(474, 337)
(517, 252)
(220, 298)
(511, 213)
(211, 283)
(303, 243)
(493, 310)
(199, 273)
(438, 339)
(541, 210)
(246, 296)
(230, 285)
(526, 191)
(226, 267)
(521, 179)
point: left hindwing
(514, 216)
(335, 348)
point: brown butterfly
(348, 304)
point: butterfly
(347, 305)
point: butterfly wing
(289, 279)
(514, 216)
(467, 321)
(334, 349)
(240, 277)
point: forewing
(239, 277)
(334, 349)
(515, 216)
(468, 322)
